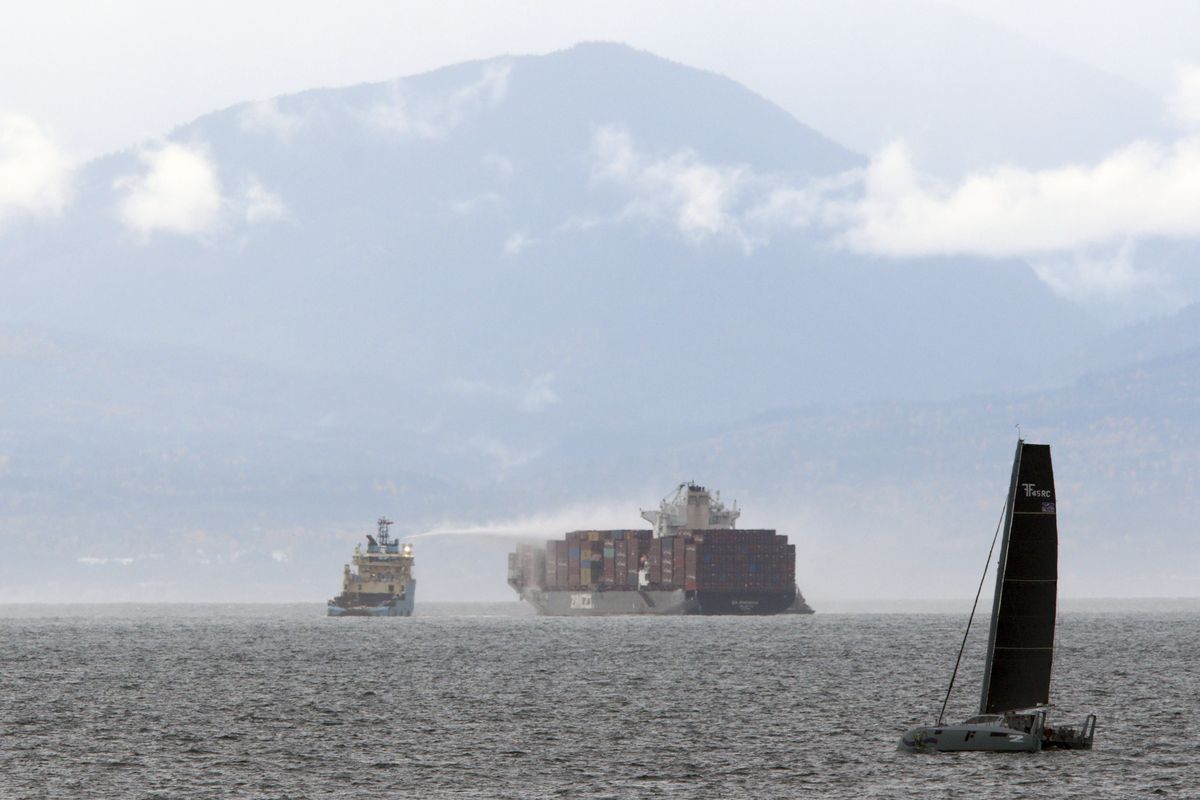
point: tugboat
(381, 584)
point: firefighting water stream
(493, 701)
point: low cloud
(119, 561)
(1098, 276)
(177, 192)
(1184, 102)
(260, 204)
(707, 202)
(422, 117)
(536, 396)
(35, 174)
(1143, 190)
(266, 117)
(1077, 226)
(703, 201)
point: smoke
(583, 516)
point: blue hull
(396, 607)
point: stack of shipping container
(755, 560)
(722, 560)
(594, 559)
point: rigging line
(963, 646)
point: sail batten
(1021, 636)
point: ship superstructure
(381, 582)
(693, 561)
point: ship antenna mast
(384, 522)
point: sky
(102, 76)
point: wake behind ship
(381, 583)
(692, 562)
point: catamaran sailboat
(1015, 699)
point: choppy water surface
(257, 701)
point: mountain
(510, 296)
(592, 215)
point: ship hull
(964, 738)
(374, 605)
(584, 603)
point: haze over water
(491, 702)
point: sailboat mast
(1000, 565)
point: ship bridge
(691, 507)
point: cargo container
(693, 561)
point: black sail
(1021, 641)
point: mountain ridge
(480, 297)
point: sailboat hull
(1014, 732)
(961, 738)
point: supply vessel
(692, 561)
(381, 583)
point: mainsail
(1021, 640)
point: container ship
(381, 583)
(693, 561)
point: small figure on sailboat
(1015, 700)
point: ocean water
(489, 701)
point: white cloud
(703, 201)
(1184, 102)
(35, 175)
(261, 204)
(266, 117)
(177, 192)
(280, 555)
(1142, 190)
(1103, 275)
(1077, 226)
(432, 118)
